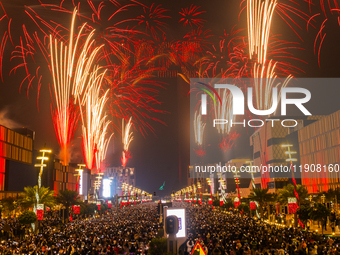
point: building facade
(319, 145)
(16, 157)
(118, 176)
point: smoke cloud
(6, 121)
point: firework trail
(199, 128)
(94, 123)
(126, 139)
(121, 56)
(330, 16)
(265, 79)
(259, 18)
(103, 143)
(70, 75)
(288, 11)
(224, 110)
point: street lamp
(42, 165)
(289, 152)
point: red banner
(221, 202)
(210, 201)
(237, 203)
(99, 206)
(292, 207)
(252, 206)
(40, 214)
(76, 209)
(109, 205)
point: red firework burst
(230, 58)
(330, 14)
(190, 16)
(200, 152)
(228, 141)
(217, 62)
(133, 92)
(152, 19)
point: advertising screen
(180, 213)
(106, 188)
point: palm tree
(9, 204)
(319, 212)
(67, 198)
(288, 191)
(304, 213)
(262, 197)
(330, 195)
(29, 198)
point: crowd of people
(130, 230)
(230, 233)
(122, 231)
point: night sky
(162, 155)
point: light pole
(42, 158)
(289, 152)
(199, 189)
(250, 162)
(211, 196)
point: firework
(265, 79)
(228, 58)
(330, 13)
(94, 124)
(136, 95)
(70, 77)
(224, 110)
(126, 139)
(133, 92)
(228, 141)
(199, 128)
(189, 16)
(259, 17)
(103, 143)
(152, 19)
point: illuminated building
(16, 156)
(65, 177)
(118, 176)
(17, 160)
(319, 143)
(267, 149)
